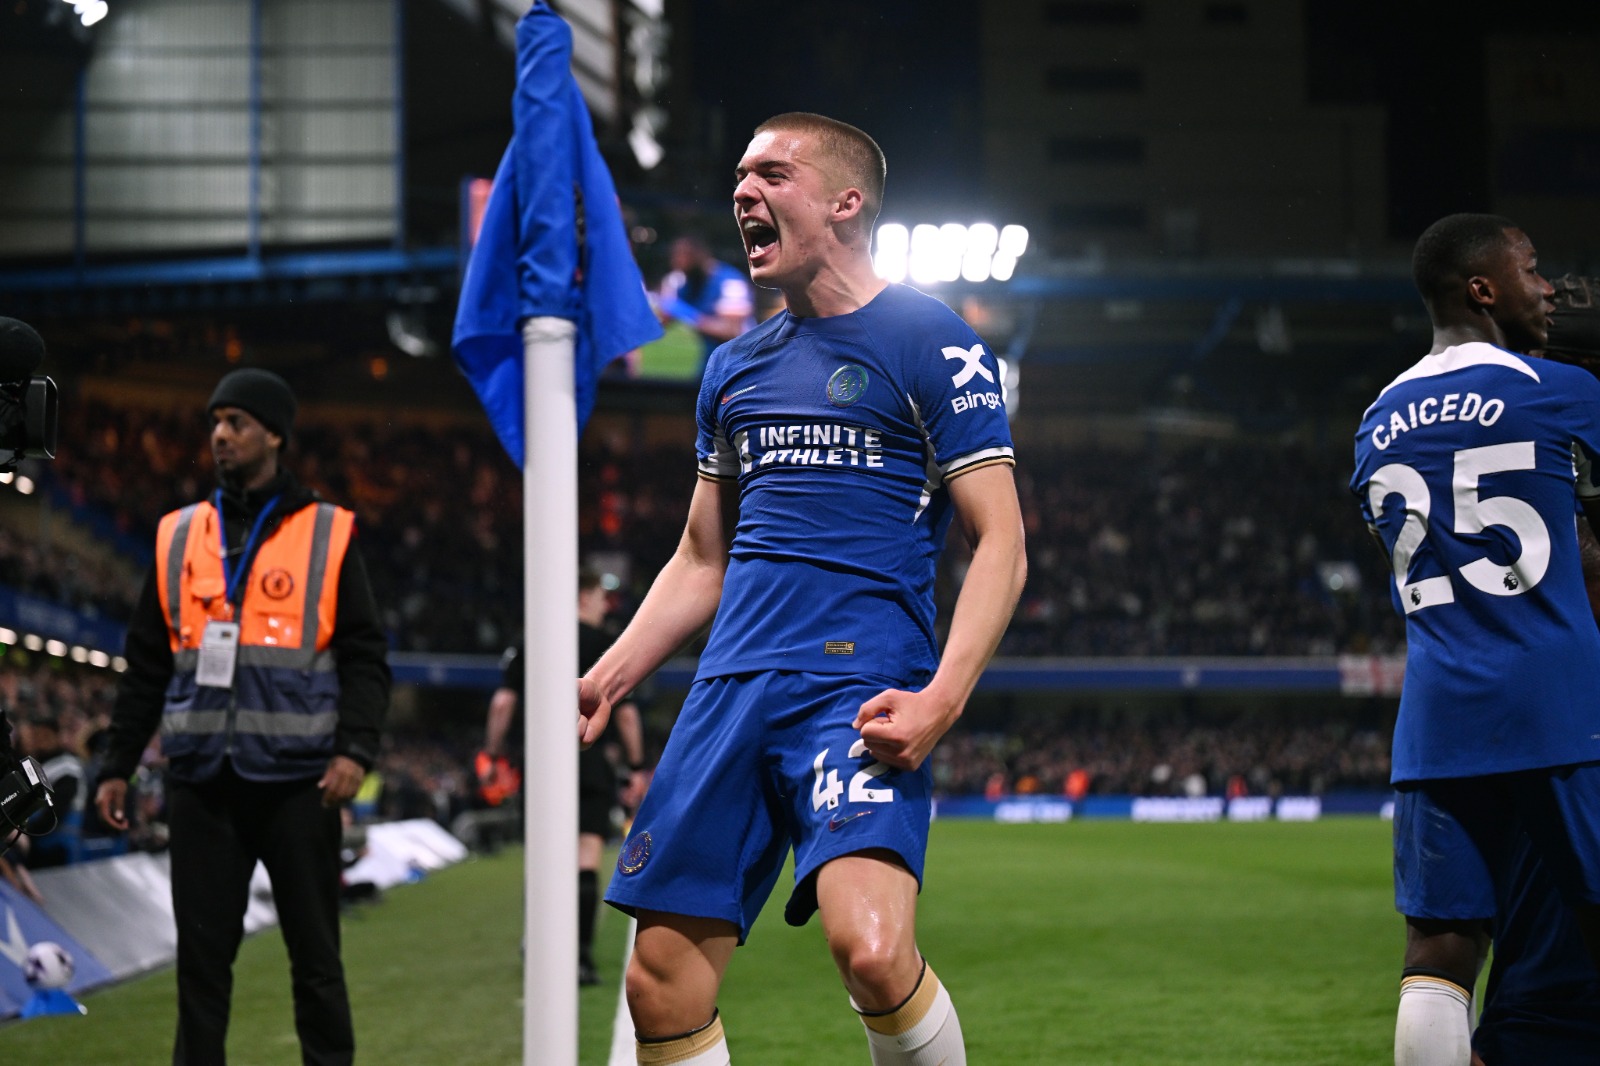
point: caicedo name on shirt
(812, 444)
(1451, 407)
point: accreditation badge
(219, 654)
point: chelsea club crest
(635, 853)
(847, 385)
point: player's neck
(836, 290)
(1478, 329)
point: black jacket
(359, 647)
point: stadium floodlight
(100, 659)
(33, 642)
(89, 11)
(892, 258)
(1013, 242)
(79, 654)
(931, 255)
(8, 636)
(55, 647)
(24, 485)
(924, 254)
(982, 239)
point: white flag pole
(550, 712)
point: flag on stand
(553, 242)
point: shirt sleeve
(717, 458)
(958, 397)
(141, 690)
(734, 296)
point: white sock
(922, 1031)
(1433, 1026)
(706, 1046)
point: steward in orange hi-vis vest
(277, 721)
(256, 649)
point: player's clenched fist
(594, 711)
(900, 728)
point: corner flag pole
(550, 712)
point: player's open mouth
(758, 238)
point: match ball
(48, 965)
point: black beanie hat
(261, 392)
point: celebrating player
(837, 441)
(1542, 1003)
(1466, 470)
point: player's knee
(658, 1005)
(874, 969)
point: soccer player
(710, 297)
(1542, 1003)
(1467, 466)
(837, 441)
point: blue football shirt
(842, 433)
(1466, 468)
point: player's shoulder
(1569, 380)
(1476, 359)
(752, 339)
(906, 304)
(919, 330)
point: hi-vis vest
(277, 721)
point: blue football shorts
(756, 764)
(1542, 1003)
(1455, 838)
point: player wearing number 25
(833, 456)
(1470, 468)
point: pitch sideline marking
(622, 1022)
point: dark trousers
(219, 829)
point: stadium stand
(1141, 553)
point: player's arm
(1589, 553)
(901, 728)
(719, 327)
(502, 706)
(630, 730)
(681, 602)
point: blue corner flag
(552, 242)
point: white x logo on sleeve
(971, 367)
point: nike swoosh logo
(730, 395)
(835, 822)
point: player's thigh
(676, 971)
(709, 839)
(1560, 809)
(1451, 839)
(842, 801)
(868, 902)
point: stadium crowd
(1131, 553)
(1170, 758)
(1144, 553)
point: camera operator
(27, 431)
(28, 402)
(40, 737)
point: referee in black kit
(597, 778)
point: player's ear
(1480, 292)
(848, 204)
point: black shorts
(597, 792)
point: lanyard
(233, 576)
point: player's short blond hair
(855, 157)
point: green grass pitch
(1085, 943)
